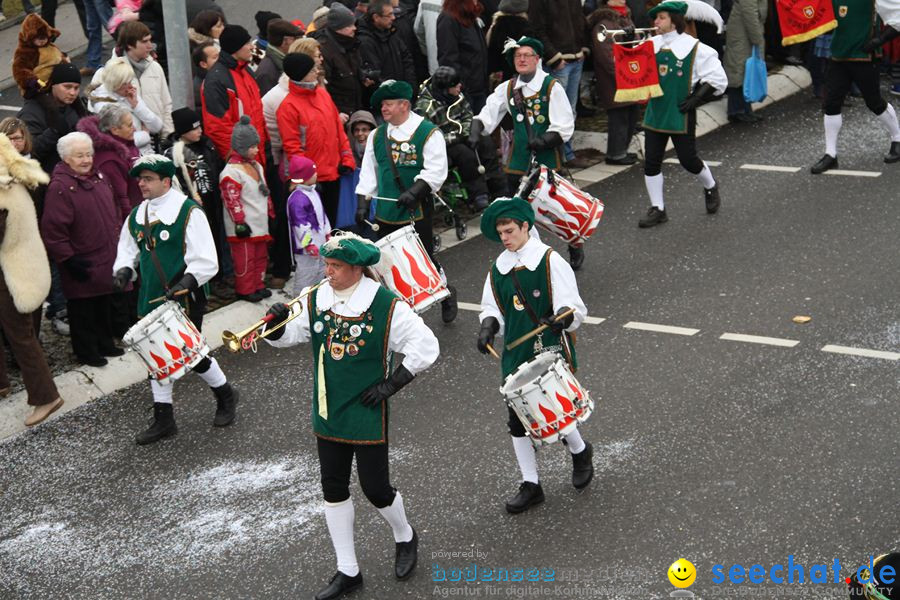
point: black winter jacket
(464, 49)
(505, 26)
(45, 132)
(341, 63)
(384, 52)
(562, 27)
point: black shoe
(254, 297)
(339, 585)
(264, 293)
(529, 494)
(893, 154)
(654, 217)
(449, 307)
(628, 159)
(94, 361)
(583, 467)
(112, 351)
(163, 425)
(742, 118)
(712, 199)
(825, 163)
(481, 202)
(406, 556)
(576, 257)
(226, 399)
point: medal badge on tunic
(337, 351)
(842, 11)
(517, 304)
(663, 70)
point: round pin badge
(536, 293)
(520, 117)
(355, 330)
(541, 119)
(164, 235)
(404, 147)
(318, 326)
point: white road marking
(776, 168)
(861, 352)
(477, 308)
(593, 320)
(711, 163)
(660, 328)
(9, 108)
(759, 339)
(854, 173)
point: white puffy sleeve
(495, 108)
(411, 337)
(489, 306)
(708, 69)
(368, 179)
(200, 249)
(434, 155)
(296, 331)
(565, 289)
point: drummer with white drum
(404, 163)
(528, 286)
(168, 239)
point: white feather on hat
(697, 10)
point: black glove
(381, 391)
(242, 230)
(557, 327)
(489, 328)
(475, 133)
(880, 40)
(77, 267)
(362, 209)
(279, 312)
(701, 94)
(187, 282)
(629, 35)
(121, 278)
(413, 197)
(549, 140)
(344, 169)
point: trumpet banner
(637, 78)
(803, 20)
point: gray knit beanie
(512, 7)
(243, 136)
(339, 16)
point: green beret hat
(391, 89)
(153, 162)
(351, 249)
(509, 48)
(669, 6)
(509, 208)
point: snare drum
(563, 209)
(547, 398)
(168, 343)
(405, 268)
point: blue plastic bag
(756, 83)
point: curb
(80, 386)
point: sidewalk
(79, 386)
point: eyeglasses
(519, 55)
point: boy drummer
(528, 286)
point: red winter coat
(310, 126)
(228, 92)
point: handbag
(755, 77)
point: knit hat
(511, 45)
(262, 21)
(669, 6)
(65, 73)
(512, 7)
(444, 77)
(185, 119)
(510, 208)
(301, 169)
(339, 16)
(297, 65)
(319, 16)
(157, 163)
(233, 38)
(391, 89)
(351, 249)
(243, 136)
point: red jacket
(311, 126)
(229, 91)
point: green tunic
(856, 24)
(539, 294)
(352, 353)
(537, 106)
(409, 156)
(171, 245)
(675, 80)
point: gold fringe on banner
(638, 94)
(808, 35)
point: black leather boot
(654, 217)
(712, 199)
(576, 257)
(163, 425)
(449, 307)
(893, 154)
(583, 467)
(528, 495)
(226, 399)
(407, 554)
(825, 163)
(339, 585)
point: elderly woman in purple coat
(307, 221)
(80, 229)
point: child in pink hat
(308, 223)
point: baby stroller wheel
(462, 229)
(437, 243)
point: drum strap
(390, 157)
(151, 246)
(523, 298)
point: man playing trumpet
(354, 326)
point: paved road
(716, 450)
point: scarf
(139, 66)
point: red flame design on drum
(166, 368)
(187, 340)
(424, 282)
(554, 424)
(565, 210)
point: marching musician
(852, 61)
(528, 286)
(405, 158)
(689, 74)
(167, 238)
(354, 325)
(542, 117)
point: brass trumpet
(246, 339)
(643, 33)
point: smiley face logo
(682, 573)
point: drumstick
(375, 226)
(161, 298)
(383, 198)
(538, 330)
(492, 351)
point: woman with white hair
(118, 87)
(80, 228)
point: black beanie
(297, 65)
(65, 73)
(262, 22)
(233, 38)
(185, 119)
